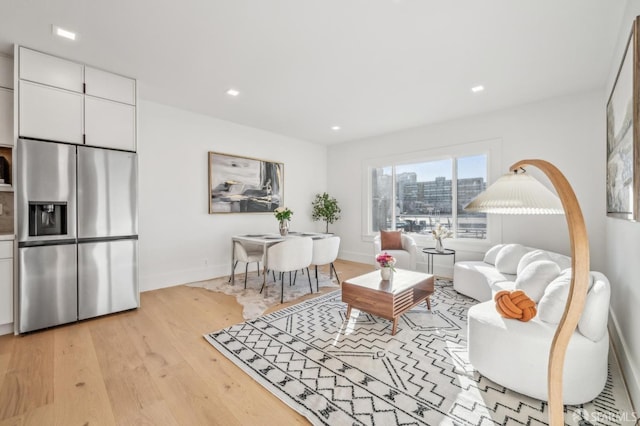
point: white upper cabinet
(109, 124)
(50, 70)
(111, 86)
(6, 72)
(65, 101)
(50, 113)
(6, 116)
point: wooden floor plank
(127, 379)
(80, 395)
(150, 366)
(28, 381)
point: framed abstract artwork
(623, 168)
(244, 185)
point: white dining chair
(246, 254)
(325, 252)
(289, 256)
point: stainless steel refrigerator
(77, 233)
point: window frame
(491, 148)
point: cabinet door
(6, 291)
(6, 116)
(50, 70)
(50, 113)
(109, 124)
(6, 72)
(110, 86)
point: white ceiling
(302, 66)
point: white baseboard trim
(6, 329)
(630, 375)
(170, 279)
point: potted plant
(325, 208)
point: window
(416, 196)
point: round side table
(430, 252)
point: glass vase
(439, 246)
(385, 273)
(284, 227)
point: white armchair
(405, 257)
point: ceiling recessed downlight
(477, 89)
(233, 92)
(335, 128)
(61, 32)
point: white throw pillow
(535, 277)
(593, 322)
(508, 258)
(490, 255)
(554, 300)
(531, 257)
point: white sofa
(481, 279)
(515, 354)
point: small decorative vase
(386, 273)
(284, 227)
(439, 246)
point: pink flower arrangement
(385, 260)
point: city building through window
(416, 197)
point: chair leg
(258, 266)
(317, 282)
(335, 272)
(309, 278)
(234, 271)
(282, 288)
(246, 272)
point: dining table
(267, 240)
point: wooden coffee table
(387, 298)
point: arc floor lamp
(520, 193)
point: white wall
(567, 131)
(622, 249)
(179, 241)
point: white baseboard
(170, 279)
(629, 373)
(6, 329)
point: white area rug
(253, 302)
(352, 371)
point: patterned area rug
(255, 303)
(336, 371)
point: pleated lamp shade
(516, 193)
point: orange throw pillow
(390, 240)
(515, 304)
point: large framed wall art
(623, 127)
(244, 185)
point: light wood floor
(150, 366)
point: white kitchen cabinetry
(110, 112)
(109, 124)
(106, 85)
(50, 113)
(51, 71)
(66, 101)
(6, 72)
(6, 282)
(6, 116)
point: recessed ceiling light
(477, 89)
(232, 92)
(61, 32)
(335, 128)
